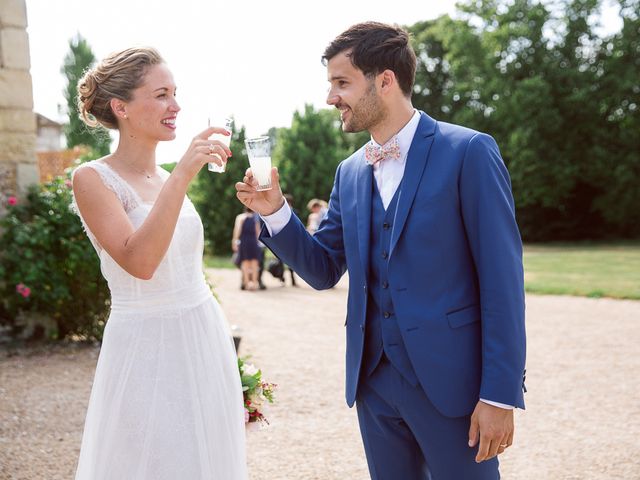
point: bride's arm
(140, 251)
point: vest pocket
(464, 316)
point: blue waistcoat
(382, 332)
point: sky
(256, 60)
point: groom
(422, 217)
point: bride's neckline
(137, 195)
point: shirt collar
(405, 136)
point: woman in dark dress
(245, 242)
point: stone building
(18, 164)
(48, 134)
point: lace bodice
(179, 279)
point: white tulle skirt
(166, 401)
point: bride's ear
(119, 108)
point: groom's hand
(494, 427)
(264, 202)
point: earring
(125, 116)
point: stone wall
(18, 161)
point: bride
(166, 401)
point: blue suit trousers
(407, 438)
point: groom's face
(354, 94)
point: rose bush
(50, 280)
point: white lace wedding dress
(166, 401)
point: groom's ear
(387, 81)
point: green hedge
(50, 280)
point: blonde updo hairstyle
(117, 76)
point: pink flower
(68, 183)
(12, 200)
(246, 416)
(23, 290)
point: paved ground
(583, 407)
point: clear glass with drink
(225, 139)
(259, 153)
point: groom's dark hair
(375, 47)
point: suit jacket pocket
(464, 316)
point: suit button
(385, 285)
(386, 314)
(385, 255)
(386, 226)
(362, 327)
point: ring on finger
(211, 148)
(504, 445)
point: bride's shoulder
(90, 169)
(96, 176)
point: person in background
(318, 209)
(263, 248)
(245, 242)
(289, 199)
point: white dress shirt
(388, 174)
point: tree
(79, 58)
(561, 102)
(618, 102)
(214, 196)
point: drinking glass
(225, 139)
(259, 153)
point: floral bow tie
(374, 153)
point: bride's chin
(168, 138)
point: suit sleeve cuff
(497, 404)
(278, 220)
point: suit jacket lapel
(416, 162)
(363, 211)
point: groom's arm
(488, 213)
(318, 259)
(489, 217)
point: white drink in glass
(261, 168)
(259, 153)
(226, 140)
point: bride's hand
(263, 202)
(202, 150)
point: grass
(588, 270)
(211, 261)
(218, 262)
(582, 269)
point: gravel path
(583, 407)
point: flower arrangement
(256, 392)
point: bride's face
(153, 109)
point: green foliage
(214, 196)
(50, 280)
(80, 58)
(169, 166)
(562, 102)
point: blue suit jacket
(455, 266)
